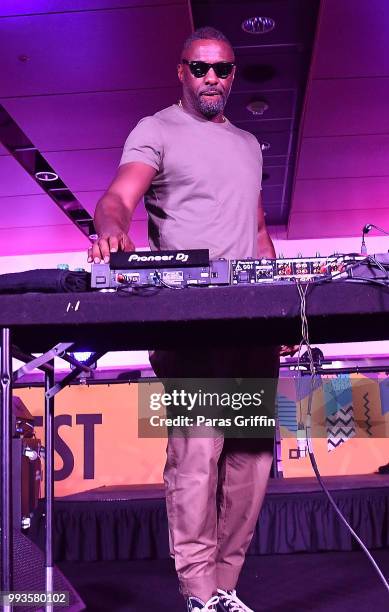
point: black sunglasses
(200, 69)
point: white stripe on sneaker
(231, 602)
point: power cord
(303, 291)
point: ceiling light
(257, 107)
(46, 176)
(265, 146)
(258, 25)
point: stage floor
(276, 486)
(117, 523)
(320, 582)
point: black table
(341, 311)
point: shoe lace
(209, 606)
(232, 601)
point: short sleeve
(258, 154)
(144, 144)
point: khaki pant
(214, 486)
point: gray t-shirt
(205, 193)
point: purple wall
(342, 177)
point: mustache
(211, 91)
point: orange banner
(96, 442)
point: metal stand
(277, 454)
(49, 480)
(6, 464)
(44, 362)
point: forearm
(112, 215)
(265, 245)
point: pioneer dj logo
(179, 257)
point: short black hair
(206, 33)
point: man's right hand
(109, 243)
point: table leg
(6, 462)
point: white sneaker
(194, 604)
(230, 602)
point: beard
(212, 106)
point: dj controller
(178, 269)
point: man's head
(206, 89)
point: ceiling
(342, 171)
(93, 69)
(77, 75)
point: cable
(132, 288)
(127, 289)
(381, 280)
(158, 276)
(379, 265)
(302, 291)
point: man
(201, 179)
